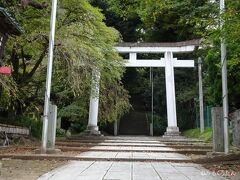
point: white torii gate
(168, 62)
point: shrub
(159, 124)
(195, 133)
(77, 127)
(60, 132)
(35, 125)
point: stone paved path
(144, 165)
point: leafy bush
(159, 124)
(77, 127)
(60, 132)
(35, 125)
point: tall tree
(83, 42)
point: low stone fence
(16, 130)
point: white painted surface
(170, 90)
(157, 63)
(49, 76)
(183, 49)
(94, 100)
(132, 56)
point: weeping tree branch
(15, 63)
(23, 61)
(39, 61)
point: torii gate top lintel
(155, 47)
(176, 47)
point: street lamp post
(200, 95)
(152, 99)
(49, 76)
(224, 83)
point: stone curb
(232, 157)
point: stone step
(77, 144)
(134, 155)
(131, 141)
(140, 149)
(132, 138)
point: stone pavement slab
(111, 144)
(123, 148)
(112, 170)
(133, 155)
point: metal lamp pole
(49, 76)
(224, 83)
(151, 76)
(200, 95)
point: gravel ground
(229, 170)
(26, 169)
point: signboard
(3, 40)
(5, 70)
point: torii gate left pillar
(92, 127)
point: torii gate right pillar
(172, 129)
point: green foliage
(73, 112)
(78, 127)
(212, 57)
(60, 132)
(83, 43)
(162, 20)
(115, 105)
(159, 124)
(195, 133)
(168, 20)
(35, 125)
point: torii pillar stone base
(92, 131)
(172, 131)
